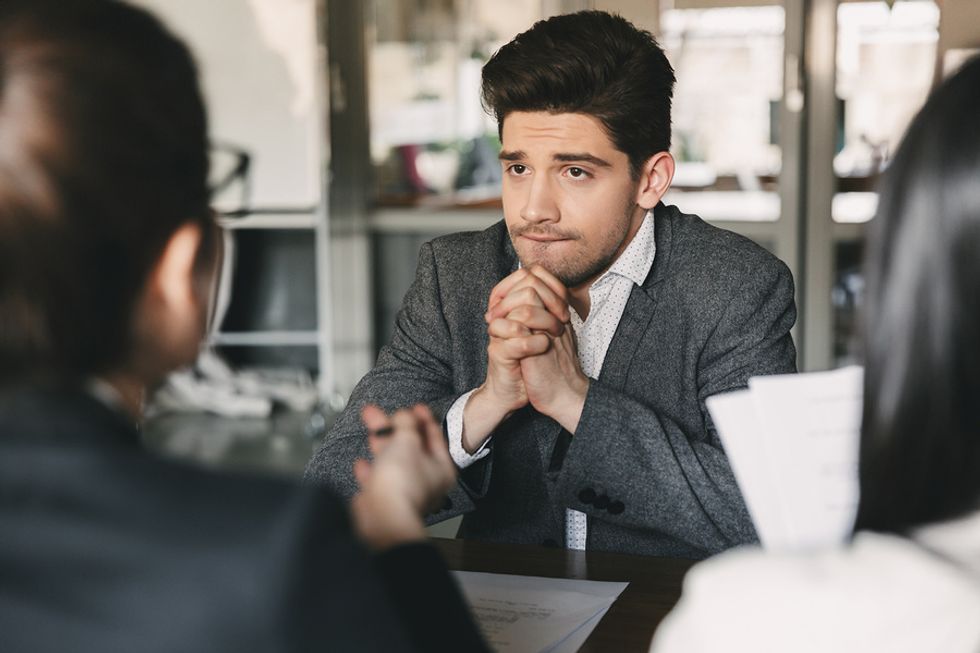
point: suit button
(587, 495)
(616, 508)
(550, 543)
(447, 504)
(602, 502)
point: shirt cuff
(454, 431)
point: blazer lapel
(637, 315)
(639, 312)
(641, 306)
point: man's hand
(540, 310)
(408, 478)
(553, 380)
(530, 343)
(555, 383)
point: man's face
(569, 199)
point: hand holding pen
(409, 474)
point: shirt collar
(637, 259)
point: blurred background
(348, 133)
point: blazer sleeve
(415, 367)
(654, 473)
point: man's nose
(540, 205)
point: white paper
(531, 614)
(576, 640)
(793, 444)
(742, 435)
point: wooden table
(654, 583)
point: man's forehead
(555, 135)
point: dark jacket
(645, 464)
(105, 547)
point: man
(107, 248)
(572, 347)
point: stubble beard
(578, 267)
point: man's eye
(518, 169)
(577, 173)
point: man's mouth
(543, 238)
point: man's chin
(548, 264)
(569, 277)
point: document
(792, 441)
(530, 614)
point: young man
(571, 348)
(107, 247)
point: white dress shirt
(607, 300)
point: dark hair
(103, 156)
(589, 62)
(920, 443)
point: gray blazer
(645, 464)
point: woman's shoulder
(879, 593)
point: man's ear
(655, 178)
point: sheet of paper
(576, 640)
(793, 444)
(530, 614)
(742, 435)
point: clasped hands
(531, 358)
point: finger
(503, 288)
(567, 342)
(432, 434)
(538, 319)
(551, 280)
(378, 443)
(553, 292)
(504, 328)
(533, 291)
(509, 352)
(405, 421)
(376, 420)
(362, 472)
(519, 297)
(516, 349)
(438, 448)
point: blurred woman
(107, 251)
(910, 578)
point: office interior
(346, 134)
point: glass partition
(886, 65)
(729, 66)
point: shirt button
(616, 508)
(602, 502)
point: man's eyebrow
(564, 157)
(584, 157)
(512, 156)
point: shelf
(271, 221)
(426, 220)
(266, 338)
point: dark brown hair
(589, 62)
(920, 440)
(103, 156)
